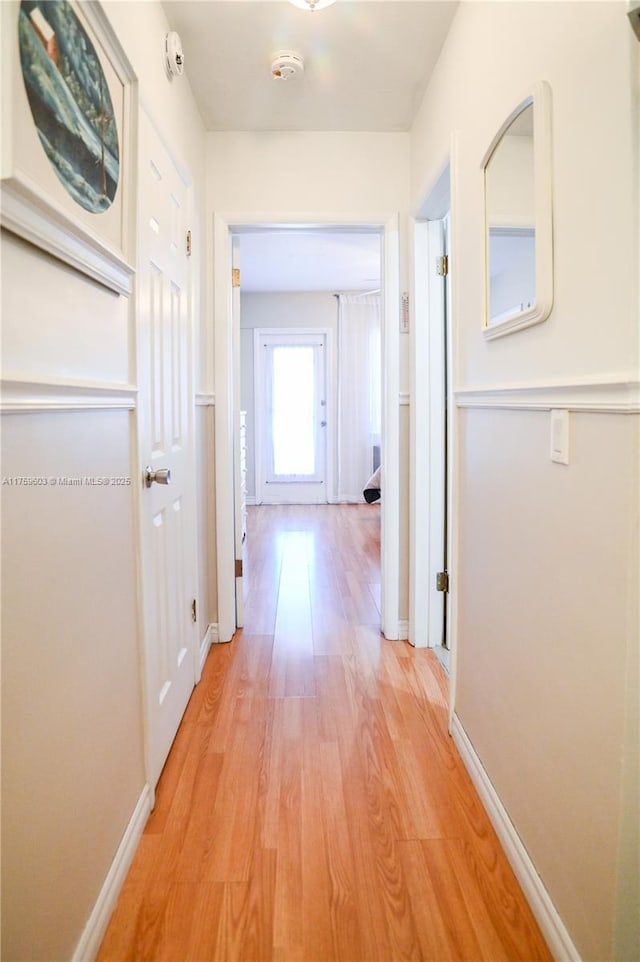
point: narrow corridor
(313, 807)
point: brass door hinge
(194, 616)
(238, 567)
(442, 581)
(189, 243)
(235, 277)
(442, 265)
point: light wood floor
(313, 807)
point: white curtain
(359, 391)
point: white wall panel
(71, 719)
(543, 574)
(57, 323)
(308, 172)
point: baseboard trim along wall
(403, 630)
(606, 395)
(89, 944)
(210, 638)
(551, 925)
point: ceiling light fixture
(312, 4)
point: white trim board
(87, 947)
(204, 399)
(545, 912)
(608, 395)
(23, 395)
(210, 638)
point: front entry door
(165, 428)
(293, 418)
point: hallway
(313, 807)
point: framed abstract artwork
(68, 137)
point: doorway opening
(310, 368)
(233, 335)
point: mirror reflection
(510, 213)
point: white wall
(547, 579)
(590, 67)
(308, 172)
(73, 766)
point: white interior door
(165, 428)
(291, 417)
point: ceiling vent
(286, 65)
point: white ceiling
(309, 261)
(367, 62)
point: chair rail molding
(28, 395)
(204, 399)
(608, 394)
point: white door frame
(426, 430)
(224, 225)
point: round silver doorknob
(161, 476)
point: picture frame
(67, 163)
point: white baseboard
(546, 914)
(403, 630)
(210, 638)
(89, 944)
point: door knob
(161, 476)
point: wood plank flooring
(313, 807)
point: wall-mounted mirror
(518, 218)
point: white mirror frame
(540, 97)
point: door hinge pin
(235, 277)
(238, 567)
(189, 243)
(442, 265)
(442, 581)
(194, 616)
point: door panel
(164, 443)
(293, 422)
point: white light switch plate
(560, 437)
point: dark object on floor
(371, 490)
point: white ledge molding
(23, 395)
(607, 395)
(22, 213)
(204, 400)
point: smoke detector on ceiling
(286, 65)
(173, 55)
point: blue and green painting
(70, 102)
